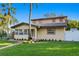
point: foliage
(50, 15)
(7, 19)
(44, 40)
(28, 42)
(72, 24)
(78, 25)
(3, 34)
(60, 40)
(9, 7)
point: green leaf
(1, 16)
(4, 9)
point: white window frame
(25, 32)
(20, 31)
(51, 31)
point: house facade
(43, 28)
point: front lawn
(43, 49)
(4, 43)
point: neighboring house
(43, 28)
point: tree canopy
(72, 24)
(6, 16)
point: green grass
(2, 46)
(4, 43)
(43, 49)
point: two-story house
(43, 28)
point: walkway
(10, 45)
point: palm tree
(30, 15)
(9, 7)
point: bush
(60, 40)
(28, 41)
(3, 34)
(45, 39)
(55, 40)
(40, 40)
(25, 42)
(49, 39)
(52, 39)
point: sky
(67, 9)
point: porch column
(35, 34)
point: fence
(72, 36)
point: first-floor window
(25, 31)
(20, 31)
(51, 31)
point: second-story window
(34, 22)
(40, 22)
(53, 20)
(61, 20)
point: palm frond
(3, 5)
(36, 5)
(3, 9)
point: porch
(23, 34)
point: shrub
(40, 39)
(60, 40)
(52, 39)
(45, 40)
(25, 42)
(49, 39)
(55, 40)
(3, 34)
(28, 42)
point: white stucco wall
(59, 35)
(48, 21)
(41, 33)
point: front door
(32, 32)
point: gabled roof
(23, 23)
(58, 17)
(42, 25)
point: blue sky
(68, 9)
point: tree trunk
(30, 14)
(9, 20)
